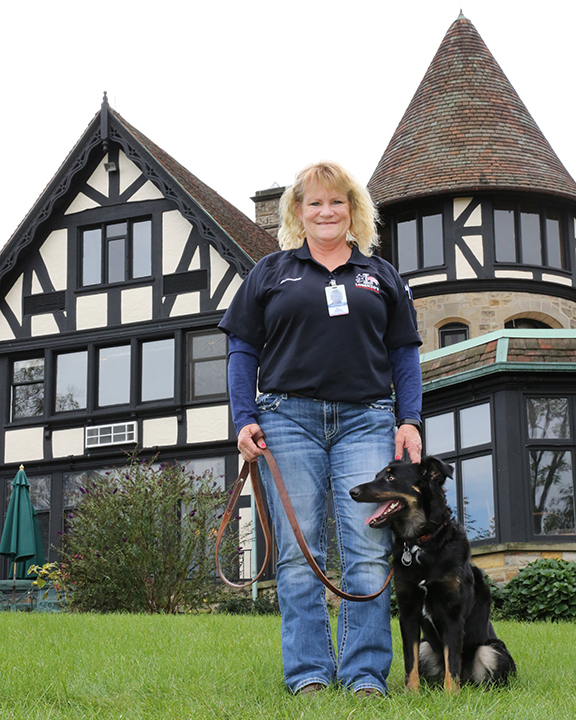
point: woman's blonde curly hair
(332, 176)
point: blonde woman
(327, 327)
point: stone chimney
(267, 209)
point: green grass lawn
(218, 666)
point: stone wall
(485, 312)
(502, 562)
(267, 209)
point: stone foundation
(502, 562)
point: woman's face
(325, 215)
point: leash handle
(288, 508)
(247, 468)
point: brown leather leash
(281, 487)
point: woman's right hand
(246, 445)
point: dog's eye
(390, 478)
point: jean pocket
(386, 404)
(268, 402)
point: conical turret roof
(466, 129)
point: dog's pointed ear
(432, 468)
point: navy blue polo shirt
(281, 309)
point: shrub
(142, 539)
(51, 575)
(242, 604)
(543, 590)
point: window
(216, 467)
(528, 234)
(452, 333)
(71, 381)
(73, 485)
(463, 437)
(114, 375)
(116, 252)
(28, 388)
(526, 324)
(107, 381)
(551, 465)
(157, 370)
(206, 365)
(420, 241)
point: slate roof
(466, 129)
(459, 361)
(554, 348)
(255, 241)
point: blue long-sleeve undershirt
(244, 359)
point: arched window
(452, 333)
(526, 324)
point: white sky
(244, 94)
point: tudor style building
(112, 287)
(479, 217)
(111, 291)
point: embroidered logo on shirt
(290, 280)
(364, 280)
(409, 291)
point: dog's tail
(488, 664)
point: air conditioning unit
(112, 434)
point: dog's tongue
(381, 510)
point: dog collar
(412, 549)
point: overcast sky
(244, 94)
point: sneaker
(368, 692)
(310, 689)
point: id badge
(336, 300)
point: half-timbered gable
(111, 291)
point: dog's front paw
(412, 681)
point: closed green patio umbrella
(21, 540)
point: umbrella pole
(14, 588)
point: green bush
(543, 590)
(142, 539)
(242, 604)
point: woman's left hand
(408, 438)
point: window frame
(98, 368)
(129, 255)
(450, 329)
(93, 411)
(546, 213)
(549, 444)
(17, 384)
(418, 215)
(191, 363)
(459, 455)
(58, 354)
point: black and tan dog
(444, 601)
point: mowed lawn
(219, 666)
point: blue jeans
(320, 447)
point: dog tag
(406, 556)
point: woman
(327, 327)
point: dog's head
(412, 495)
